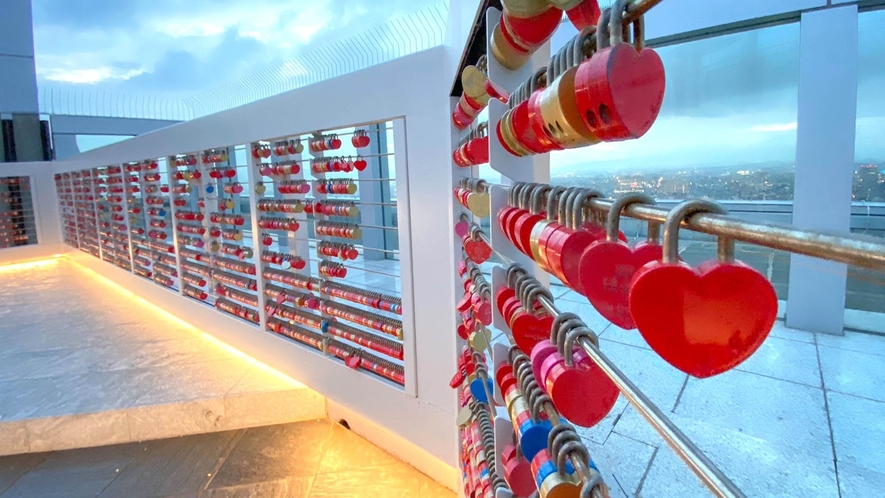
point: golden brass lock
(505, 53)
(558, 486)
(525, 8)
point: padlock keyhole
(605, 114)
(591, 119)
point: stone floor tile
(756, 466)
(600, 432)
(389, 481)
(855, 480)
(275, 452)
(776, 411)
(854, 341)
(190, 381)
(655, 377)
(781, 331)
(270, 489)
(346, 450)
(74, 474)
(173, 466)
(850, 372)
(786, 360)
(78, 431)
(617, 334)
(13, 467)
(587, 313)
(621, 474)
(858, 431)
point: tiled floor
(314, 459)
(81, 365)
(803, 417)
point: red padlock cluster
(132, 190)
(227, 219)
(235, 265)
(347, 187)
(476, 301)
(287, 147)
(214, 156)
(285, 261)
(280, 169)
(341, 230)
(360, 139)
(138, 231)
(473, 152)
(283, 277)
(477, 249)
(160, 247)
(165, 270)
(281, 295)
(151, 177)
(324, 142)
(187, 175)
(192, 229)
(158, 223)
(189, 253)
(195, 293)
(155, 234)
(260, 151)
(232, 188)
(281, 206)
(237, 310)
(334, 164)
(526, 25)
(337, 250)
(614, 95)
(195, 280)
(196, 268)
(286, 224)
(149, 165)
(360, 296)
(235, 280)
(130, 168)
(237, 251)
(332, 270)
(235, 235)
(181, 189)
(144, 272)
(189, 160)
(364, 318)
(477, 90)
(163, 280)
(293, 187)
(219, 172)
(528, 326)
(154, 200)
(188, 215)
(334, 208)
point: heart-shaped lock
(620, 90)
(607, 267)
(565, 252)
(703, 321)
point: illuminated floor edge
(84, 362)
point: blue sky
(176, 47)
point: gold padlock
(473, 81)
(525, 8)
(506, 54)
(478, 204)
(559, 108)
(557, 485)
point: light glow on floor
(28, 265)
(165, 315)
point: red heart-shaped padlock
(583, 394)
(606, 272)
(620, 90)
(528, 330)
(705, 321)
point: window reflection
(727, 128)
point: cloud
(179, 46)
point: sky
(178, 47)
(730, 100)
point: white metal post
(824, 162)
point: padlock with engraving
(607, 267)
(619, 91)
(703, 321)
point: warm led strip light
(123, 292)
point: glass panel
(726, 130)
(866, 288)
(89, 142)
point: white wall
(18, 80)
(48, 220)
(413, 88)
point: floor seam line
(829, 419)
(651, 462)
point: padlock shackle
(613, 219)
(674, 219)
(578, 206)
